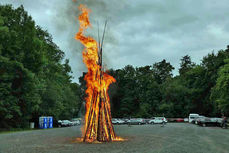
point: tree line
(152, 90)
(34, 78)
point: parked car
(158, 120)
(179, 120)
(171, 119)
(121, 121)
(207, 121)
(114, 121)
(125, 120)
(76, 122)
(66, 123)
(147, 121)
(185, 119)
(117, 121)
(198, 119)
(138, 121)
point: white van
(192, 117)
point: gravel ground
(173, 138)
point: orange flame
(98, 125)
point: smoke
(60, 19)
(67, 25)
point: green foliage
(33, 80)
(221, 89)
(186, 64)
(153, 91)
(162, 71)
(17, 86)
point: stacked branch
(98, 125)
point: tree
(19, 96)
(129, 103)
(162, 71)
(148, 92)
(175, 98)
(186, 64)
(221, 89)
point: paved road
(173, 138)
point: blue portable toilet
(45, 126)
(50, 122)
(43, 122)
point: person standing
(163, 121)
(224, 121)
(129, 122)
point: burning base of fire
(81, 140)
(97, 122)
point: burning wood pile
(98, 125)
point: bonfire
(97, 121)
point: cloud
(139, 32)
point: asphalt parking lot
(173, 138)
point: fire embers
(98, 125)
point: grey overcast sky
(140, 32)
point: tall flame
(98, 125)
